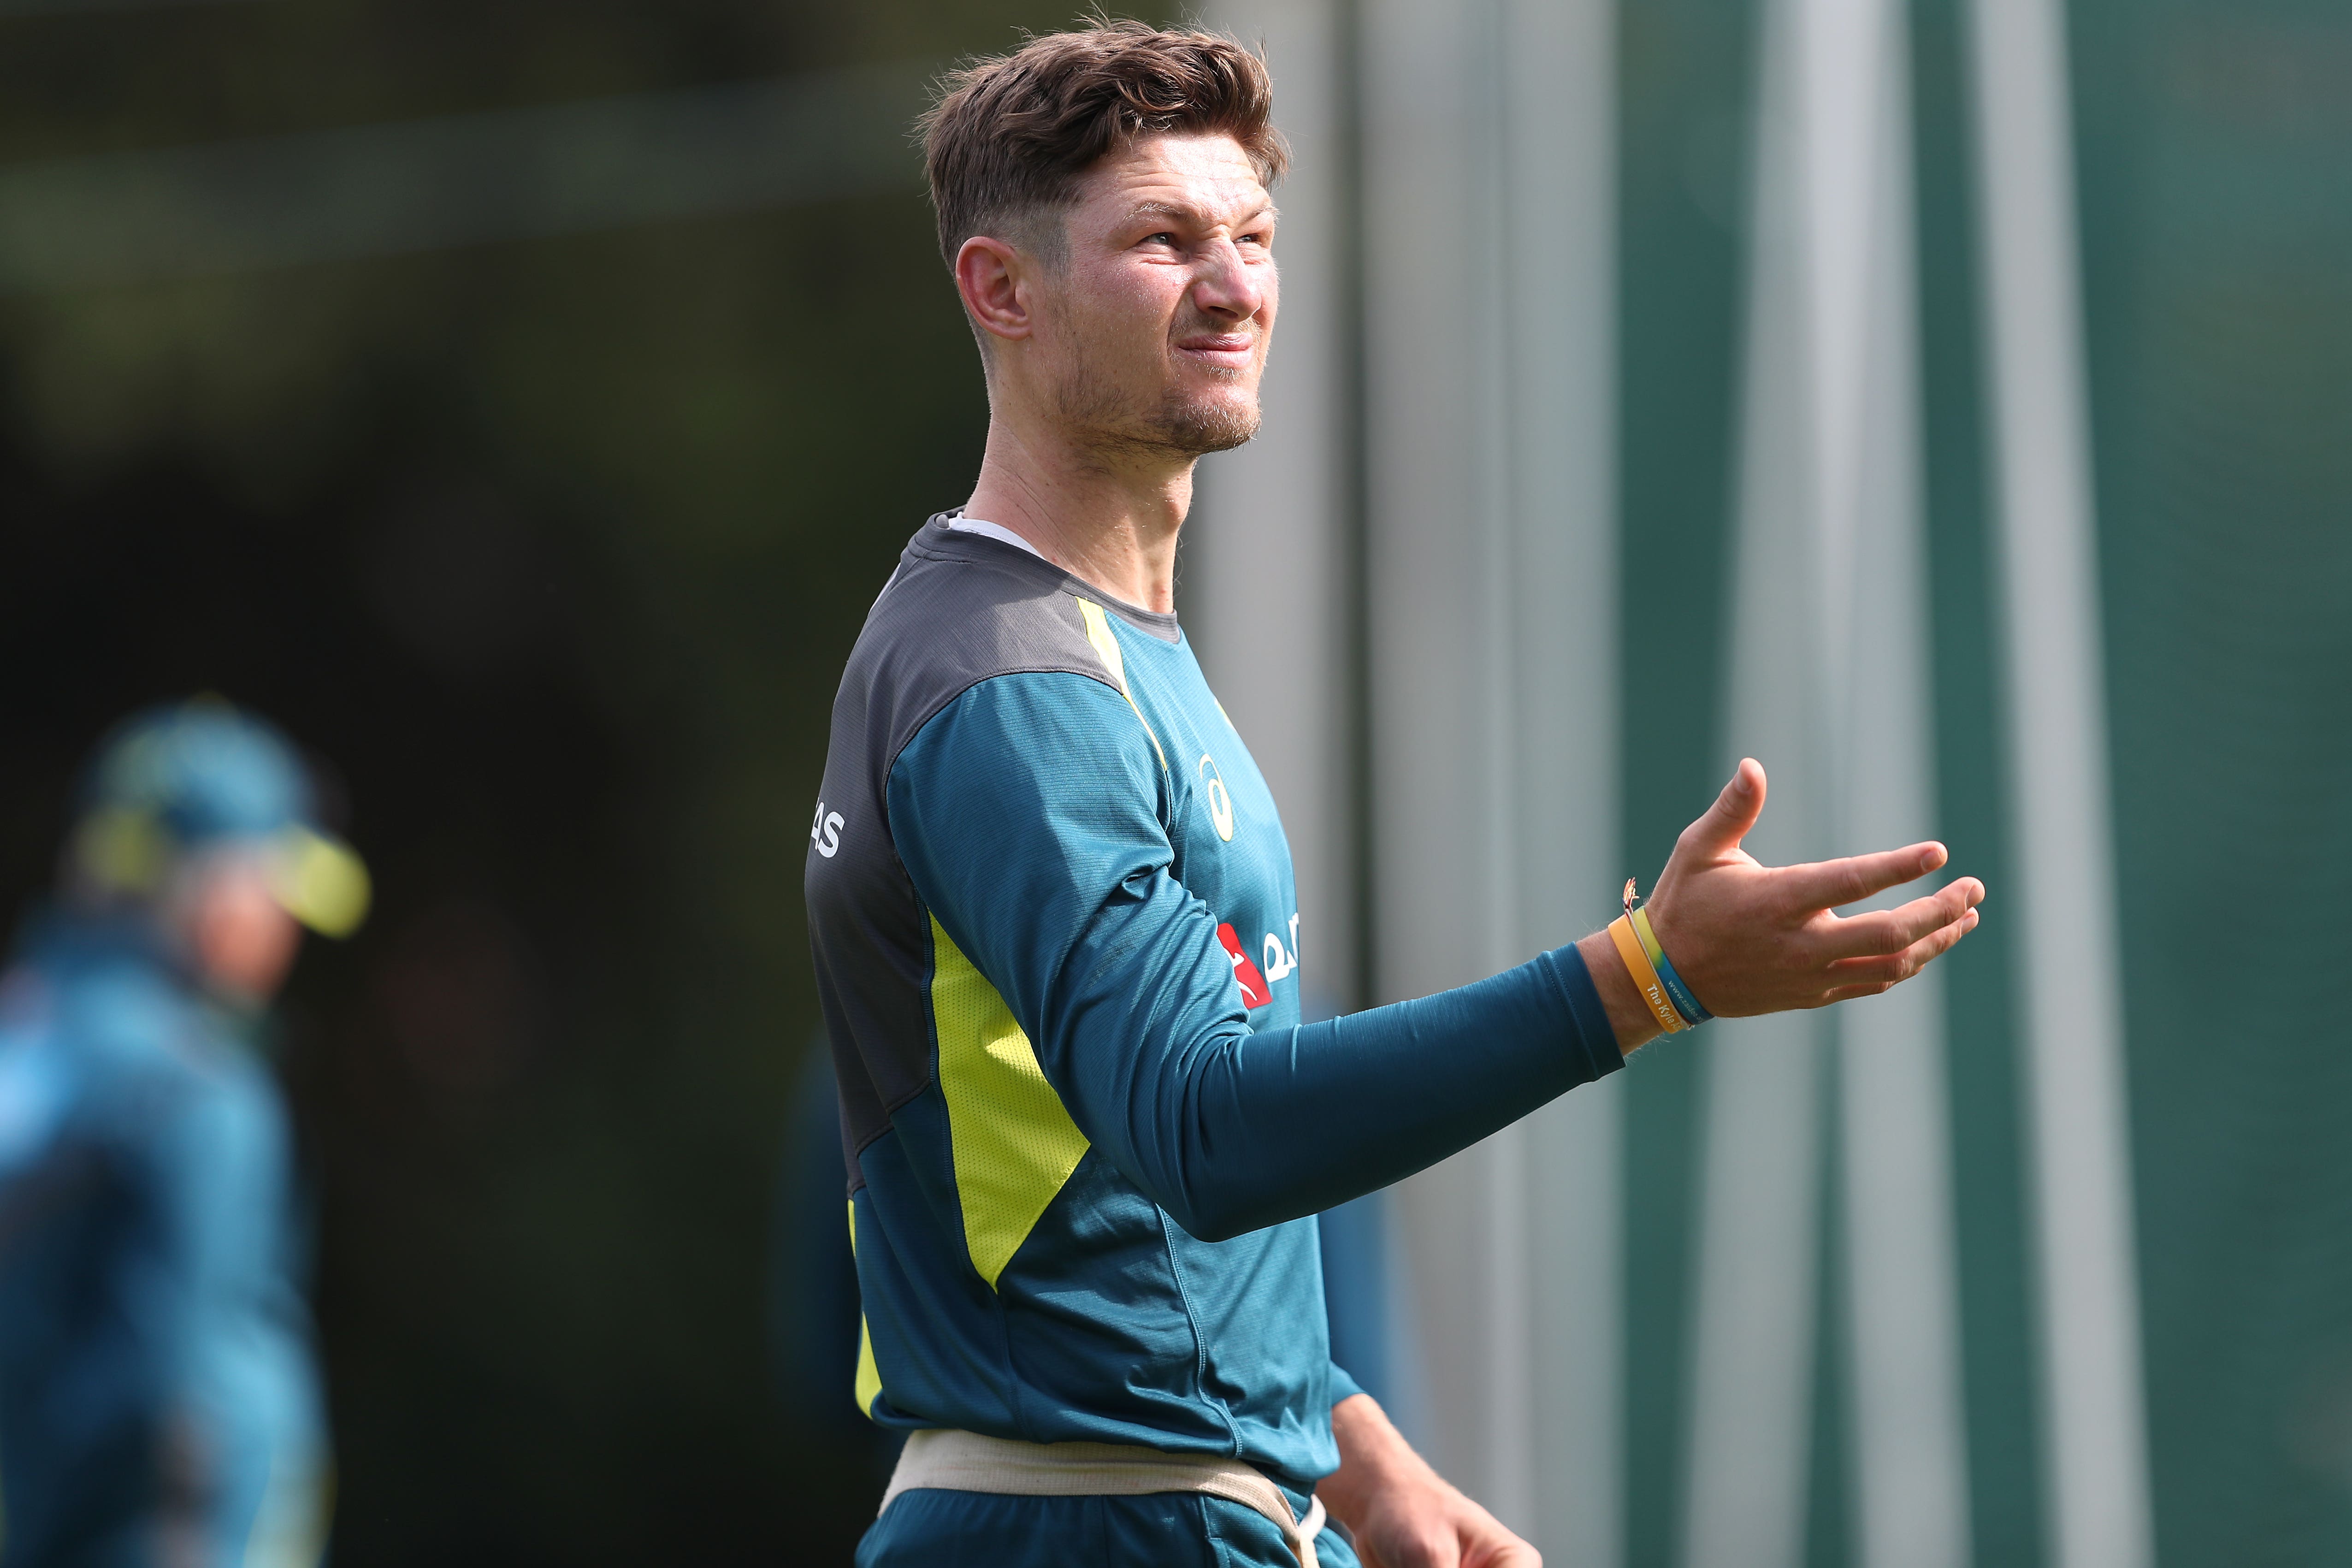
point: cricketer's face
(1152, 328)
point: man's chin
(1201, 426)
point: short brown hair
(1011, 135)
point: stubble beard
(1114, 421)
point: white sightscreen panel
(1755, 1251)
(1492, 572)
(2095, 1420)
(1559, 251)
(1438, 625)
(1830, 688)
(1910, 1451)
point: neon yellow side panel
(1014, 1144)
(869, 1376)
(1106, 643)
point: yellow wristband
(1645, 975)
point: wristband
(1645, 978)
(1685, 1001)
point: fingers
(1877, 974)
(1891, 931)
(1828, 884)
(1732, 816)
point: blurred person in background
(1087, 1128)
(159, 1401)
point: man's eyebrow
(1189, 214)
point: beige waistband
(943, 1460)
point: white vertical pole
(1439, 637)
(1909, 1449)
(1560, 237)
(1561, 280)
(1830, 687)
(2061, 911)
(1488, 214)
(1752, 1350)
(1757, 1242)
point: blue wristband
(1680, 994)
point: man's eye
(1163, 237)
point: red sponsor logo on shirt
(1254, 988)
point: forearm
(1373, 1455)
(1233, 1133)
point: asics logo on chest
(1220, 803)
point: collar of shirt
(996, 530)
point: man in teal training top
(159, 1404)
(1056, 933)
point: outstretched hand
(1749, 938)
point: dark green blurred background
(553, 542)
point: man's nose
(1229, 285)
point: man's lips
(1232, 351)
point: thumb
(1732, 816)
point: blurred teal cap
(195, 775)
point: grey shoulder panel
(946, 622)
(961, 609)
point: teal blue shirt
(1059, 947)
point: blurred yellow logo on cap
(322, 882)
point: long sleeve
(1029, 814)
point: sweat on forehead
(1010, 136)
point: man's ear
(996, 281)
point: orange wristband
(1645, 973)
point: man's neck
(1109, 519)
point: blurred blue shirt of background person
(158, 1399)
